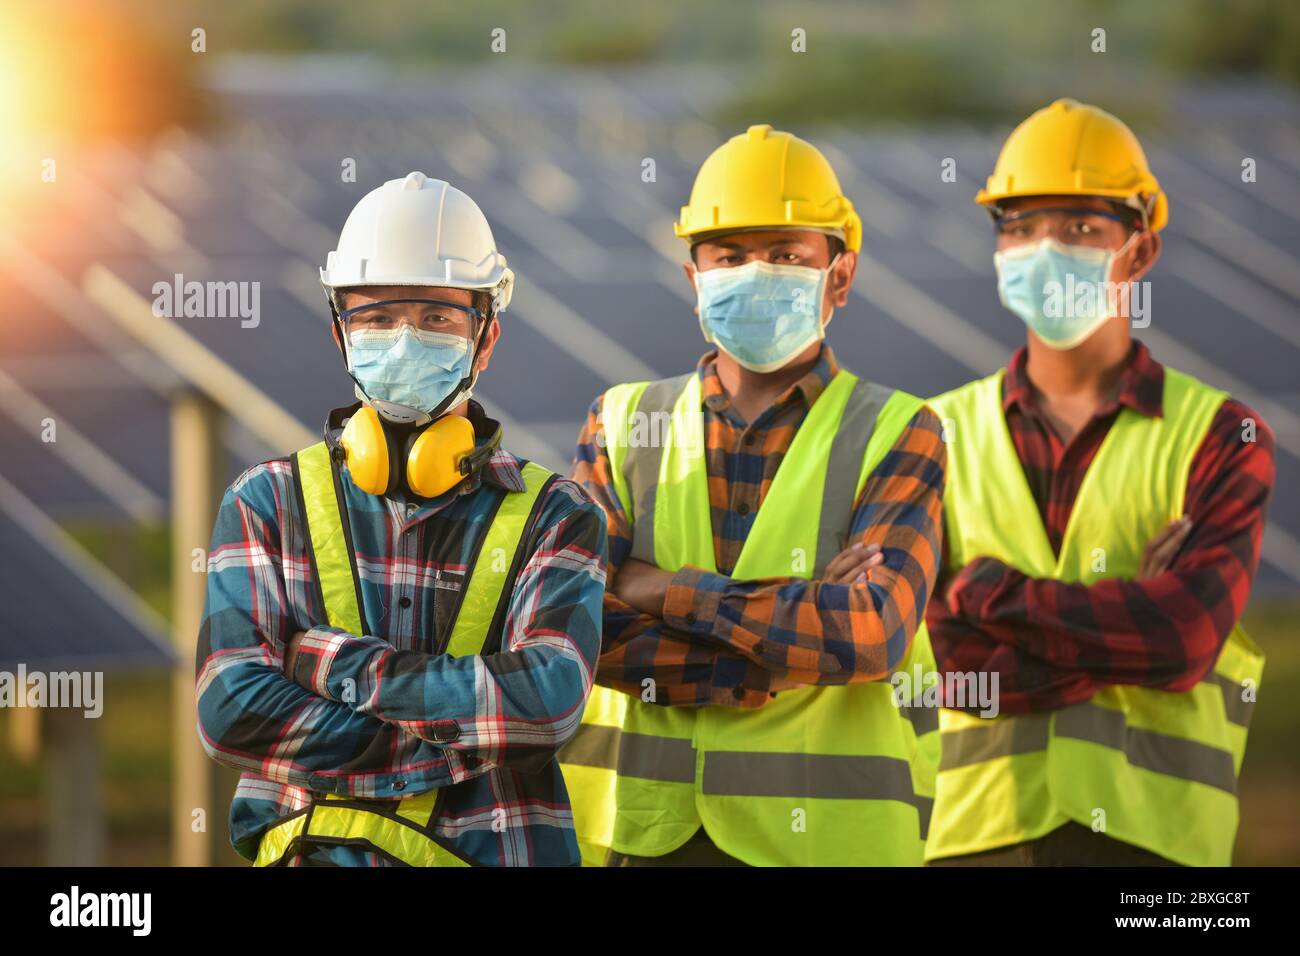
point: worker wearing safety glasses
(1102, 524)
(403, 619)
(774, 535)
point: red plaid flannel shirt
(1055, 644)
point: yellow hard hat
(768, 178)
(1073, 149)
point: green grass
(140, 556)
(135, 754)
(877, 81)
(979, 61)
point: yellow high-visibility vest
(402, 831)
(820, 775)
(1148, 767)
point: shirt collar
(1140, 386)
(502, 470)
(809, 387)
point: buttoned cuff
(747, 698)
(691, 604)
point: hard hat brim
(850, 231)
(502, 289)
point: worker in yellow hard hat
(1102, 523)
(774, 525)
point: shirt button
(410, 507)
(446, 731)
(404, 602)
(399, 784)
(758, 647)
(742, 509)
(690, 617)
(749, 438)
(738, 692)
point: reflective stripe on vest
(925, 727)
(780, 784)
(400, 835)
(402, 831)
(1154, 768)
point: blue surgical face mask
(1040, 283)
(762, 314)
(408, 366)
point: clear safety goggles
(1073, 225)
(426, 315)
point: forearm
(823, 632)
(515, 707)
(646, 659)
(1020, 683)
(640, 655)
(252, 718)
(1164, 632)
(484, 711)
(808, 631)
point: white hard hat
(419, 231)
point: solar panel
(60, 609)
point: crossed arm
(1055, 644)
(351, 713)
(695, 633)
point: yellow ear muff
(433, 463)
(366, 447)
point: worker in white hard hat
(403, 619)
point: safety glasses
(1073, 225)
(430, 315)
